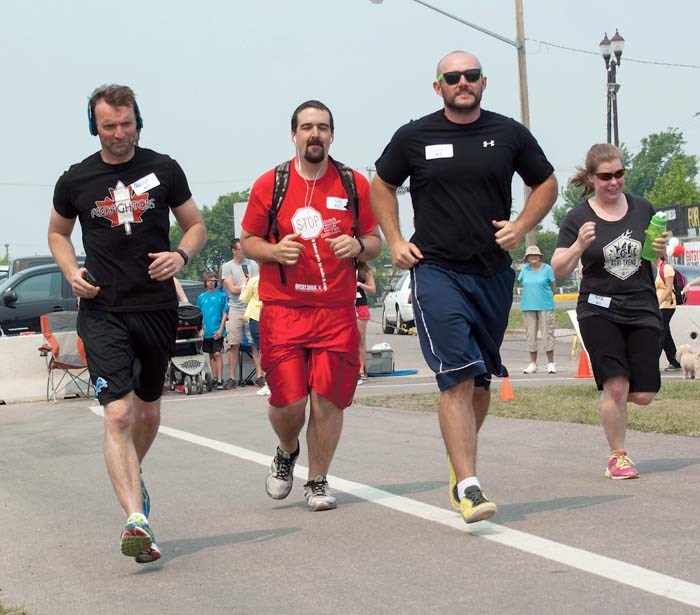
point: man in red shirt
(308, 332)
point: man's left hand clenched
(508, 235)
(344, 246)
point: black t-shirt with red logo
(110, 199)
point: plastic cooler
(379, 359)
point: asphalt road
(565, 540)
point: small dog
(689, 360)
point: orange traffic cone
(584, 371)
(507, 390)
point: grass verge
(14, 611)
(674, 411)
(561, 319)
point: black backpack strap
(278, 193)
(347, 177)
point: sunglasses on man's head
(606, 177)
(452, 77)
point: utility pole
(530, 237)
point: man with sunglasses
(460, 161)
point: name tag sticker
(600, 301)
(443, 150)
(145, 183)
(334, 202)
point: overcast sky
(217, 81)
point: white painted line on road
(599, 565)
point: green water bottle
(657, 226)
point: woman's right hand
(586, 234)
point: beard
(119, 148)
(316, 155)
(451, 103)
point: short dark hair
(233, 242)
(115, 96)
(310, 104)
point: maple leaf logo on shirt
(122, 205)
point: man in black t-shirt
(123, 196)
(461, 162)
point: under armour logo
(490, 143)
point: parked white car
(397, 310)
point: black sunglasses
(606, 177)
(452, 77)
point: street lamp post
(519, 44)
(608, 48)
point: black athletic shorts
(212, 346)
(128, 351)
(625, 350)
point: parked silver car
(397, 310)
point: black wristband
(362, 245)
(182, 253)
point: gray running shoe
(279, 481)
(317, 494)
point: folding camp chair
(243, 352)
(64, 354)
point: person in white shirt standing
(235, 275)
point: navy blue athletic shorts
(128, 351)
(461, 319)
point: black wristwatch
(182, 253)
(362, 245)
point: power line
(593, 53)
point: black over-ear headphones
(92, 125)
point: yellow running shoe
(475, 506)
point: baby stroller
(186, 366)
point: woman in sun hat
(537, 306)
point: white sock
(463, 485)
